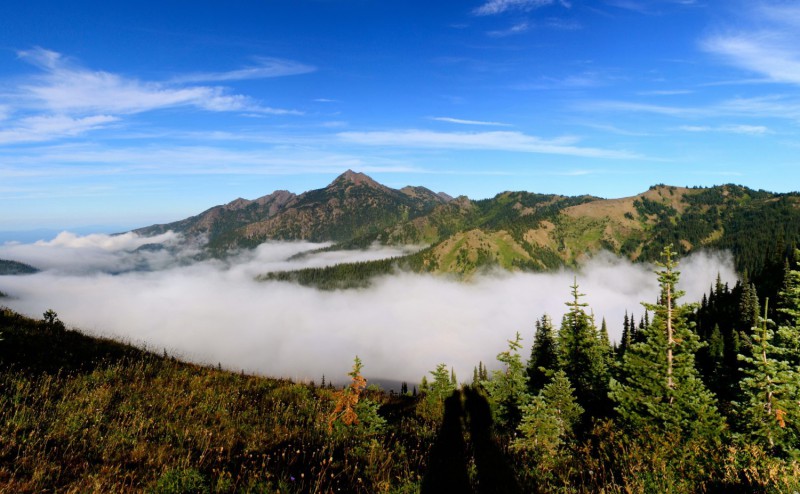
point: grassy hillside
(79, 414)
(82, 414)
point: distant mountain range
(514, 230)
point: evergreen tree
(770, 389)
(625, 341)
(748, 308)
(716, 347)
(789, 314)
(605, 345)
(582, 358)
(544, 355)
(442, 385)
(508, 388)
(549, 418)
(660, 388)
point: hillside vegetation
(693, 399)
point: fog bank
(401, 327)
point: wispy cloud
(498, 141)
(493, 7)
(648, 6)
(768, 48)
(85, 160)
(756, 130)
(264, 68)
(461, 121)
(67, 88)
(576, 81)
(518, 28)
(628, 106)
(44, 128)
(615, 130)
(665, 92)
(770, 106)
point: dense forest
(694, 398)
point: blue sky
(123, 114)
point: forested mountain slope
(513, 230)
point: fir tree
(625, 341)
(748, 308)
(605, 345)
(660, 388)
(508, 386)
(549, 418)
(544, 355)
(442, 385)
(789, 314)
(770, 389)
(582, 357)
(716, 347)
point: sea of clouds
(402, 326)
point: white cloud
(729, 129)
(773, 56)
(768, 47)
(498, 141)
(401, 327)
(265, 68)
(493, 7)
(518, 28)
(66, 88)
(73, 254)
(47, 127)
(461, 121)
(771, 106)
(155, 160)
(665, 92)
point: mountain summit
(354, 178)
(351, 208)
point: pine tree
(544, 355)
(582, 357)
(659, 387)
(770, 389)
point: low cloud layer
(401, 327)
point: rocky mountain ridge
(513, 230)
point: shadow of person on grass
(447, 463)
(495, 474)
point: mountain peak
(355, 178)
